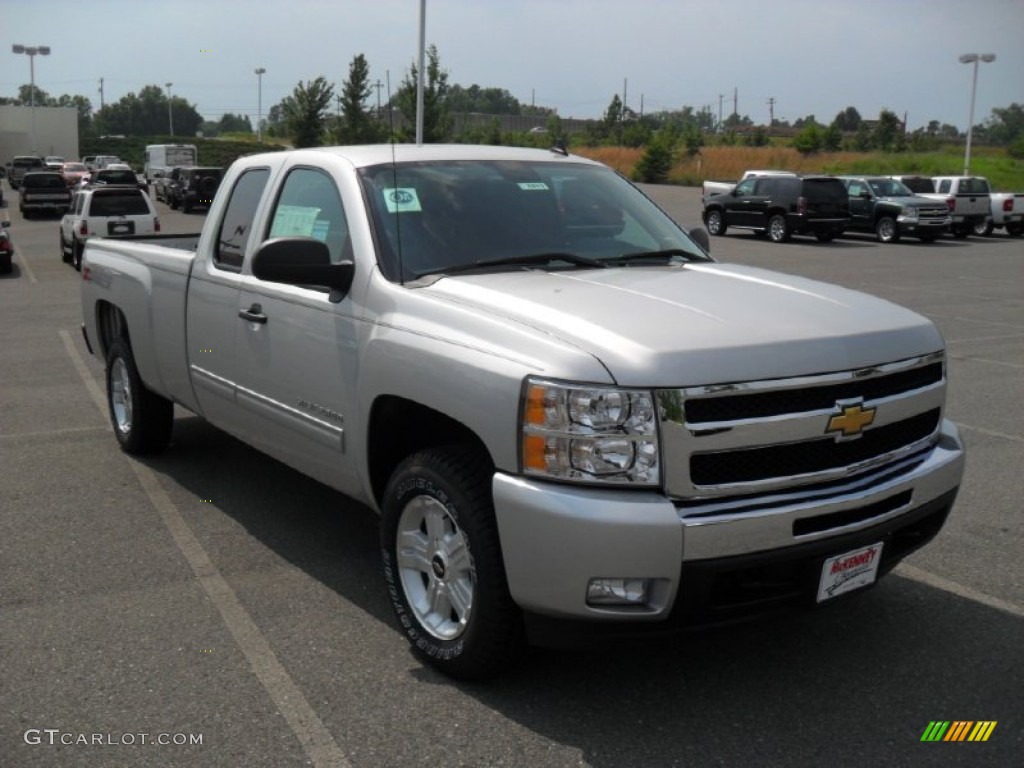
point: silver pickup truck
(572, 421)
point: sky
(812, 57)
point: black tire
(474, 630)
(715, 222)
(65, 252)
(1015, 230)
(142, 419)
(961, 231)
(983, 228)
(76, 254)
(887, 230)
(778, 228)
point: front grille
(762, 404)
(778, 461)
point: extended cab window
(309, 206)
(236, 226)
(944, 185)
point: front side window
(433, 216)
(235, 229)
(746, 187)
(309, 206)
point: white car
(105, 212)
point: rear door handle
(253, 314)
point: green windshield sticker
(532, 186)
(401, 200)
(294, 221)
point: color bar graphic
(958, 730)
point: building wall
(56, 132)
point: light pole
(170, 115)
(973, 58)
(259, 104)
(31, 51)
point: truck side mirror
(302, 261)
(699, 235)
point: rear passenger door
(297, 349)
(212, 320)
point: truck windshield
(889, 188)
(432, 216)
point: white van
(160, 158)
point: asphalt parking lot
(211, 607)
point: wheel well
(399, 427)
(112, 326)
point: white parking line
(986, 360)
(990, 432)
(915, 573)
(316, 740)
(23, 264)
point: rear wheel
(886, 230)
(715, 222)
(1015, 230)
(983, 228)
(142, 419)
(65, 252)
(76, 254)
(961, 231)
(443, 564)
(778, 229)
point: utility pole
(771, 111)
(377, 85)
(720, 111)
(625, 85)
(101, 93)
(641, 106)
(736, 101)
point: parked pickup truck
(966, 197)
(1007, 212)
(709, 188)
(890, 210)
(572, 421)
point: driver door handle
(253, 314)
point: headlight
(590, 434)
(909, 212)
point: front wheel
(715, 222)
(142, 419)
(443, 564)
(886, 230)
(778, 229)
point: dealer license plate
(119, 229)
(849, 571)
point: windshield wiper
(666, 255)
(518, 261)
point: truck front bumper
(557, 538)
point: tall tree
(305, 111)
(888, 132)
(146, 114)
(436, 117)
(357, 125)
(848, 120)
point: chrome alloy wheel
(121, 395)
(435, 567)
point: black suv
(193, 186)
(43, 192)
(780, 206)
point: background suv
(779, 206)
(193, 187)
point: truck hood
(917, 201)
(699, 323)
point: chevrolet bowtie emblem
(850, 419)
